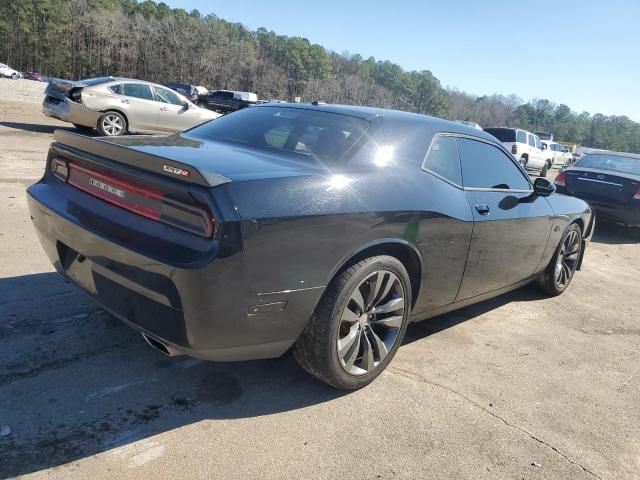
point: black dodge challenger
(322, 228)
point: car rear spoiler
(144, 161)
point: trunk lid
(131, 151)
(215, 159)
(602, 185)
(59, 88)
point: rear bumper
(620, 214)
(628, 214)
(71, 112)
(202, 310)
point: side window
(117, 89)
(522, 137)
(137, 90)
(486, 166)
(532, 142)
(167, 96)
(538, 142)
(225, 95)
(443, 159)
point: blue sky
(585, 54)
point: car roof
(368, 113)
(127, 80)
(613, 154)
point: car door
(511, 224)
(534, 158)
(139, 105)
(175, 114)
(542, 155)
(442, 231)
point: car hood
(231, 160)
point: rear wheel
(14, 76)
(112, 124)
(358, 325)
(543, 172)
(559, 273)
(523, 162)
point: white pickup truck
(526, 147)
(559, 153)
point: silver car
(115, 106)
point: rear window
(221, 94)
(502, 134)
(615, 163)
(322, 135)
(90, 82)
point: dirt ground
(519, 387)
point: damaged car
(115, 106)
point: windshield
(502, 134)
(616, 163)
(322, 135)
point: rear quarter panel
(567, 210)
(298, 231)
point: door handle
(124, 100)
(164, 109)
(483, 209)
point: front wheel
(358, 325)
(559, 273)
(543, 172)
(14, 76)
(112, 124)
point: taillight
(637, 194)
(561, 179)
(59, 169)
(144, 201)
(514, 149)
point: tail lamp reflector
(561, 179)
(142, 200)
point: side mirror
(543, 187)
(544, 147)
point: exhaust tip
(157, 344)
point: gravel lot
(517, 387)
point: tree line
(148, 40)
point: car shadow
(420, 330)
(615, 234)
(43, 128)
(75, 382)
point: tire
(543, 172)
(523, 161)
(83, 128)
(112, 124)
(565, 259)
(346, 347)
(14, 76)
